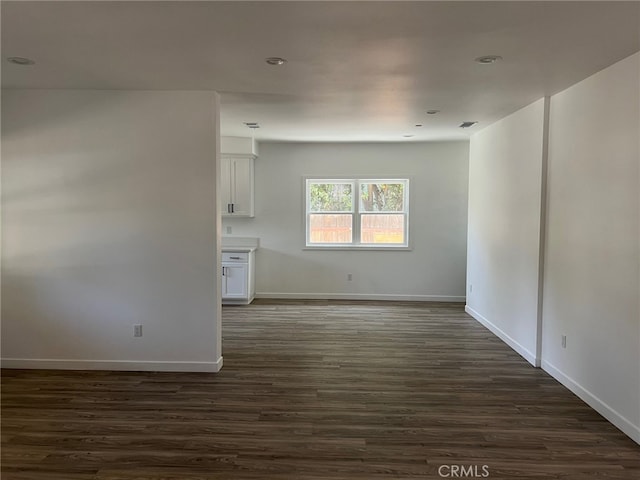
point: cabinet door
(234, 280)
(242, 194)
(226, 181)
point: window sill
(376, 248)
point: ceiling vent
(488, 59)
(20, 61)
(467, 124)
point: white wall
(591, 285)
(434, 269)
(590, 268)
(108, 220)
(505, 181)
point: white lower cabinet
(234, 280)
(238, 283)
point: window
(357, 212)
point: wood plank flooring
(316, 390)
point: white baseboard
(514, 344)
(115, 365)
(361, 296)
(628, 428)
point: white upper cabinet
(237, 183)
(237, 186)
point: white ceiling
(356, 71)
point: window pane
(382, 197)
(382, 228)
(330, 197)
(330, 228)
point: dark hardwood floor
(316, 390)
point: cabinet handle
(233, 208)
(228, 208)
(223, 271)
(234, 258)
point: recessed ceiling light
(418, 124)
(432, 112)
(20, 61)
(407, 136)
(275, 61)
(467, 124)
(488, 59)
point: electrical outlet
(137, 330)
(564, 341)
(350, 276)
(229, 230)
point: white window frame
(355, 182)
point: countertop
(239, 244)
(238, 249)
